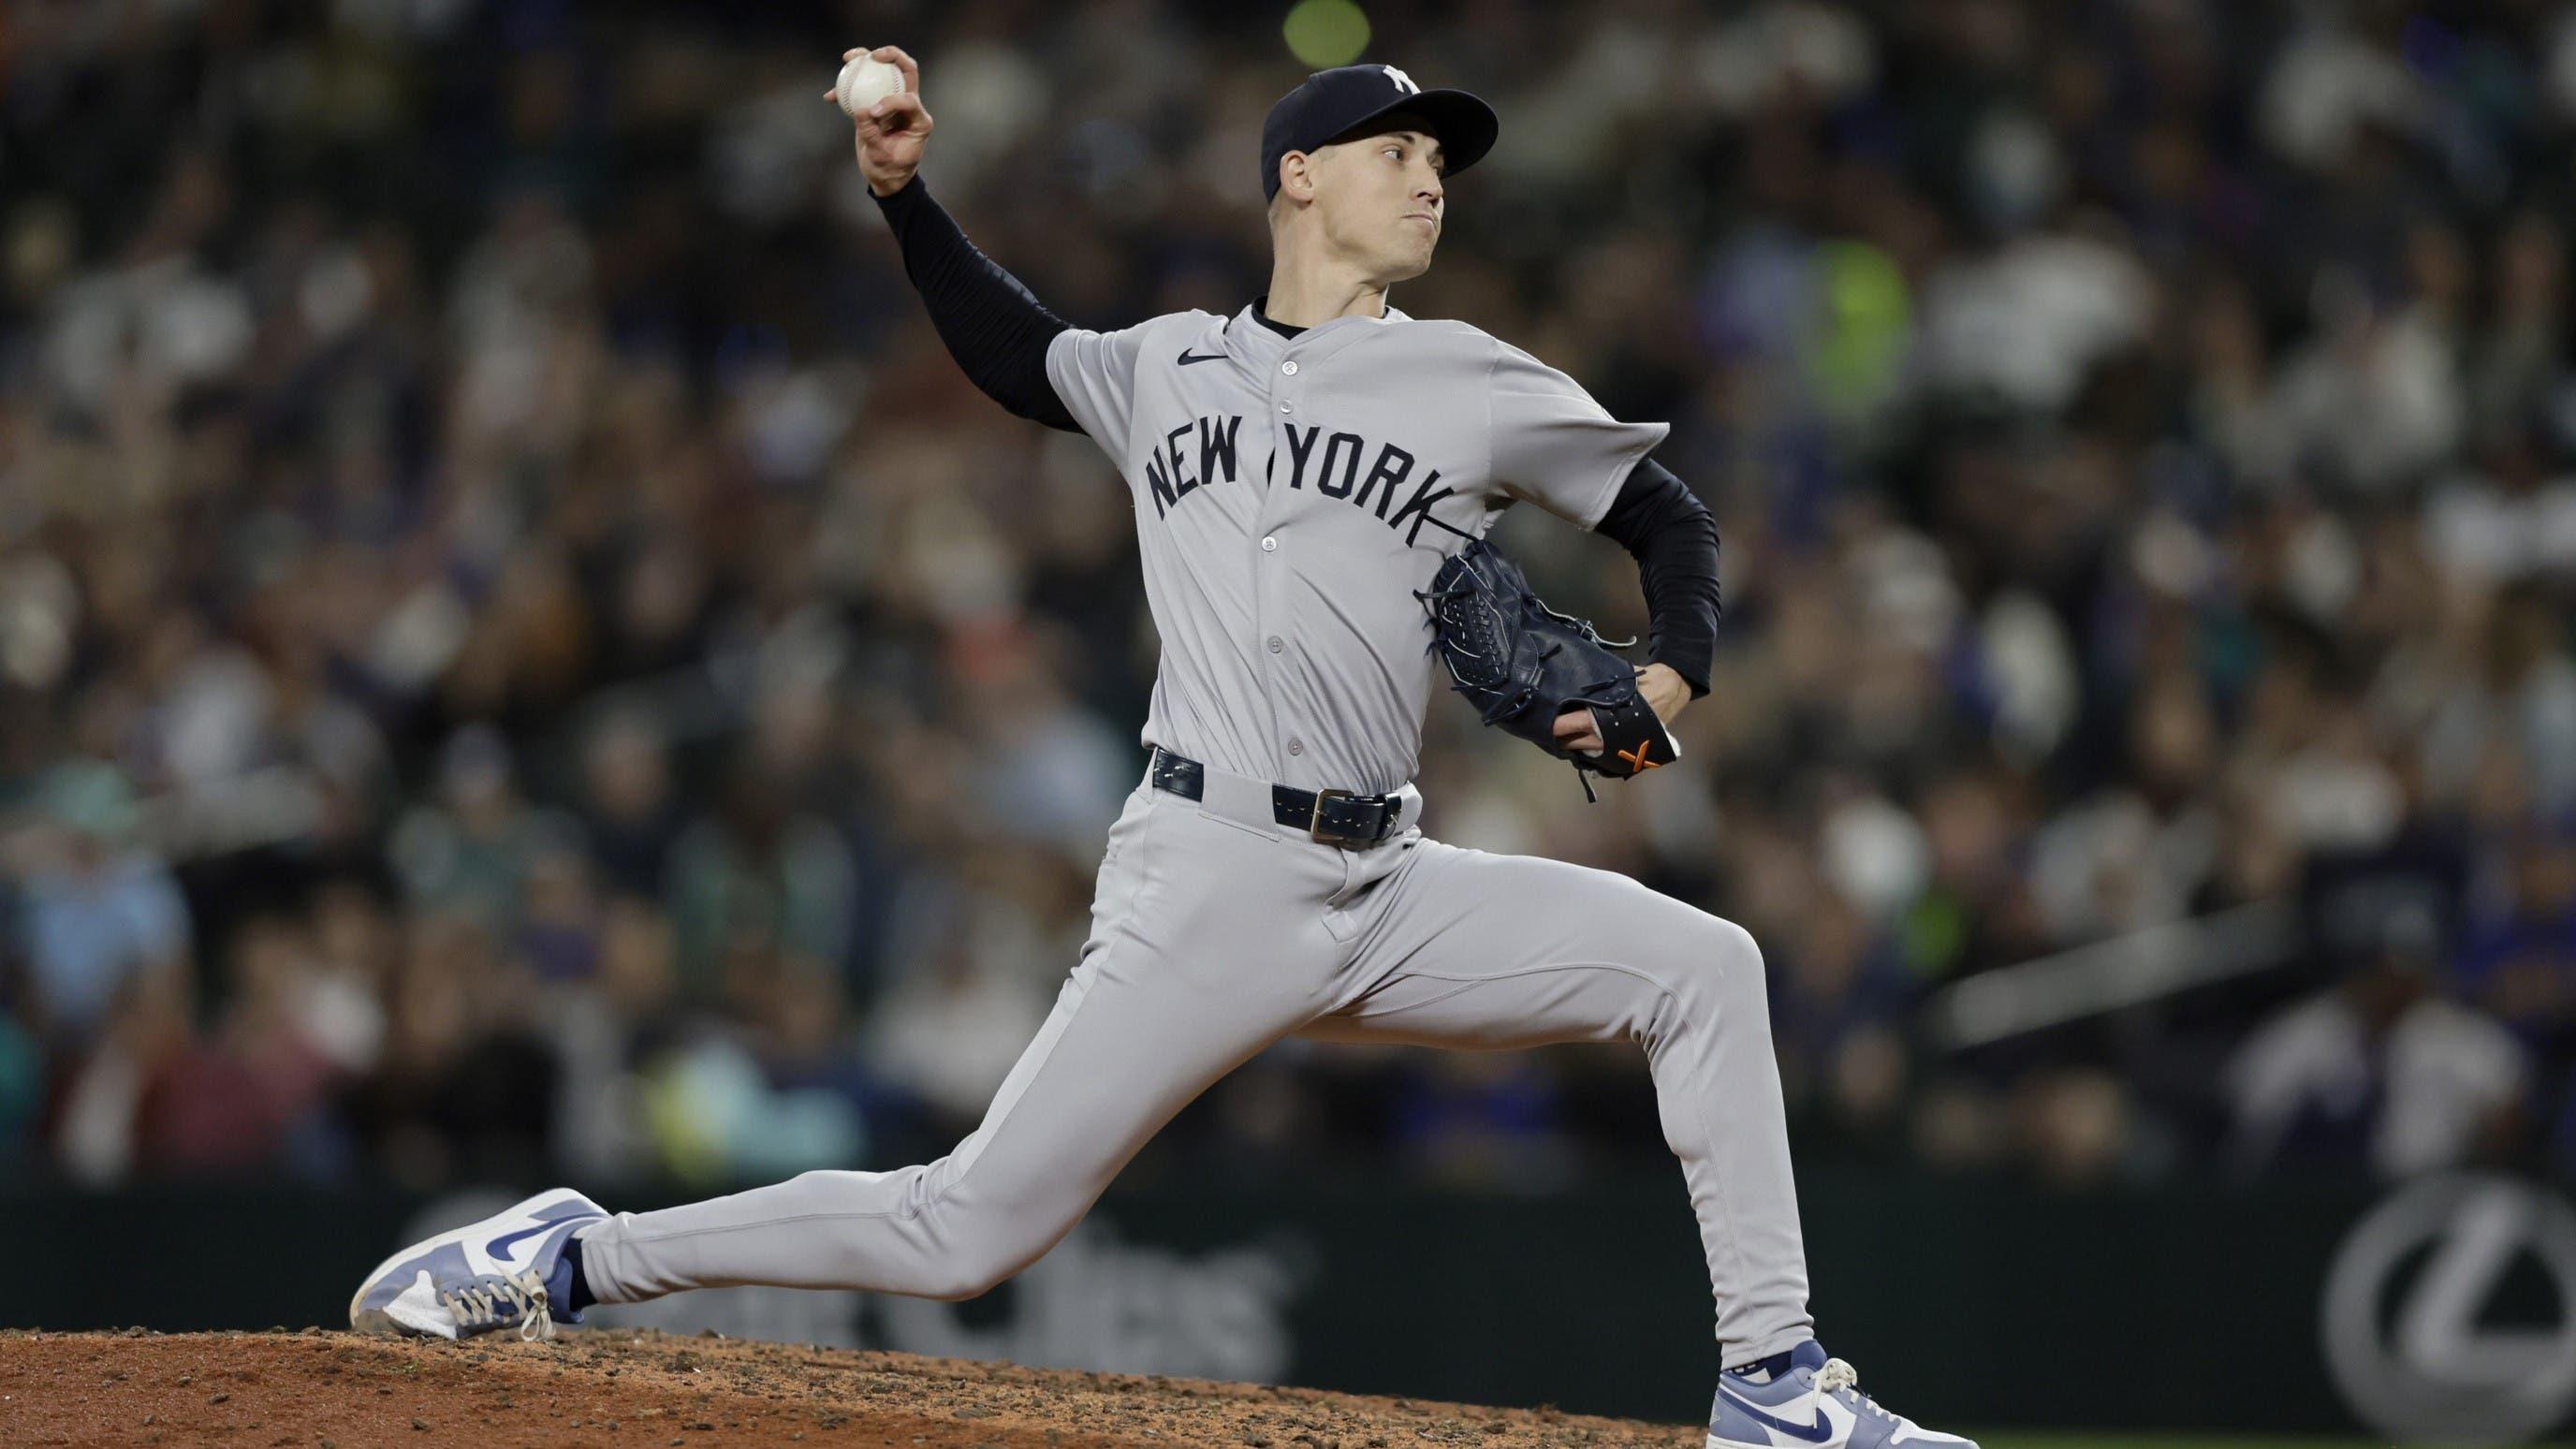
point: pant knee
(979, 1257)
(962, 1280)
(959, 1272)
(1717, 962)
(1732, 947)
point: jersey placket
(1273, 560)
(1276, 374)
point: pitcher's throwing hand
(892, 132)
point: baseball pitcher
(1312, 477)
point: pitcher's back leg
(1181, 981)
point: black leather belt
(1332, 817)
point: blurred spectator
(2520, 965)
(472, 852)
(227, 1102)
(768, 1102)
(461, 1086)
(2381, 1070)
(759, 874)
(630, 806)
(949, 1028)
(1835, 992)
(102, 918)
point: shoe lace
(1840, 1377)
(504, 1298)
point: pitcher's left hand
(1661, 684)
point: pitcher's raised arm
(992, 324)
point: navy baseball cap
(1342, 99)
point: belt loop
(1408, 809)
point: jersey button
(1275, 645)
(1287, 407)
(1270, 545)
(1296, 747)
(1289, 367)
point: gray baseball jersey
(1290, 495)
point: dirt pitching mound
(645, 1391)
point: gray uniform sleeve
(1095, 374)
(1552, 445)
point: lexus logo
(2410, 1330)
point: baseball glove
(1522, 664)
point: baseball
(865, 81)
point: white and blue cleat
(507, 1271)
(1815, 1404)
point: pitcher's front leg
(1481, 951)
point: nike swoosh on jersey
(1187, 357)
(1815, 1433)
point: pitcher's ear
(1297, 175)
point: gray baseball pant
(1215, 932)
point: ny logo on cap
(1402, 81)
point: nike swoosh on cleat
(496, 1247)
(1815, 1433)
(1187, 357)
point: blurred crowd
(521, 656)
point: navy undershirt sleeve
(1674, 538)
(995, 327)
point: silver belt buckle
(1315, 821)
